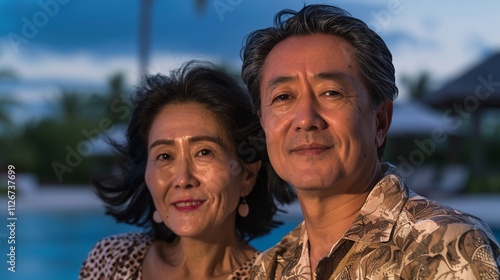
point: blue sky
(54, 43)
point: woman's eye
(204, 152)
(332, 93)
(163, 157)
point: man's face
(321, 128)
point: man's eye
(282, 97)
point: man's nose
(308, 115)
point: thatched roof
(479, 84)
(414, 118)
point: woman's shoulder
(122, 239)
(120, 245)
(120, 254)
(244, 271)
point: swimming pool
(53, 245)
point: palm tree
(145, 32)
(7, 74)
(115, 94)
(417, 86)
(5, 119)
(70, 104)
(144, 35)
(200, 4)
(74, 105)
(6, 102)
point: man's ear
(384, 118)
(251, 171)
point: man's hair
(372, 56)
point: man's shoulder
(420, 209)
(426, 217)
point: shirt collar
(375, 222)
(381, 209)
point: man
(323, 85)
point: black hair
(371, 53)
(126, 194)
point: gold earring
(157, 217)
(243, 208)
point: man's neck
(327, 220)
(328, 215)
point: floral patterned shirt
(397, 235)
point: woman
(193, 176)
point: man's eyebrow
(278, 80)
(170, 142)
(336, 76)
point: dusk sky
(73, 43)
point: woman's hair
(371, 53)
(127, 196)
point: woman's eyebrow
(170, 142)
(216, 140)
(161, 142)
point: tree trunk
(144, 35)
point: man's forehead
(319, 55)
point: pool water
(52, 246)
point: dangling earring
(157, 217)
(243, 208)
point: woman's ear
(384, 119)
(259, 115)
(251, 171)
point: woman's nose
(184, 177)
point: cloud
(444, 39)
(43, 74)
(86, 67)
(84, 44)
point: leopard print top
(120, 257)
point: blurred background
(67, 69)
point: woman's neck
(194, 259)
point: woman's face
(193, 172)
